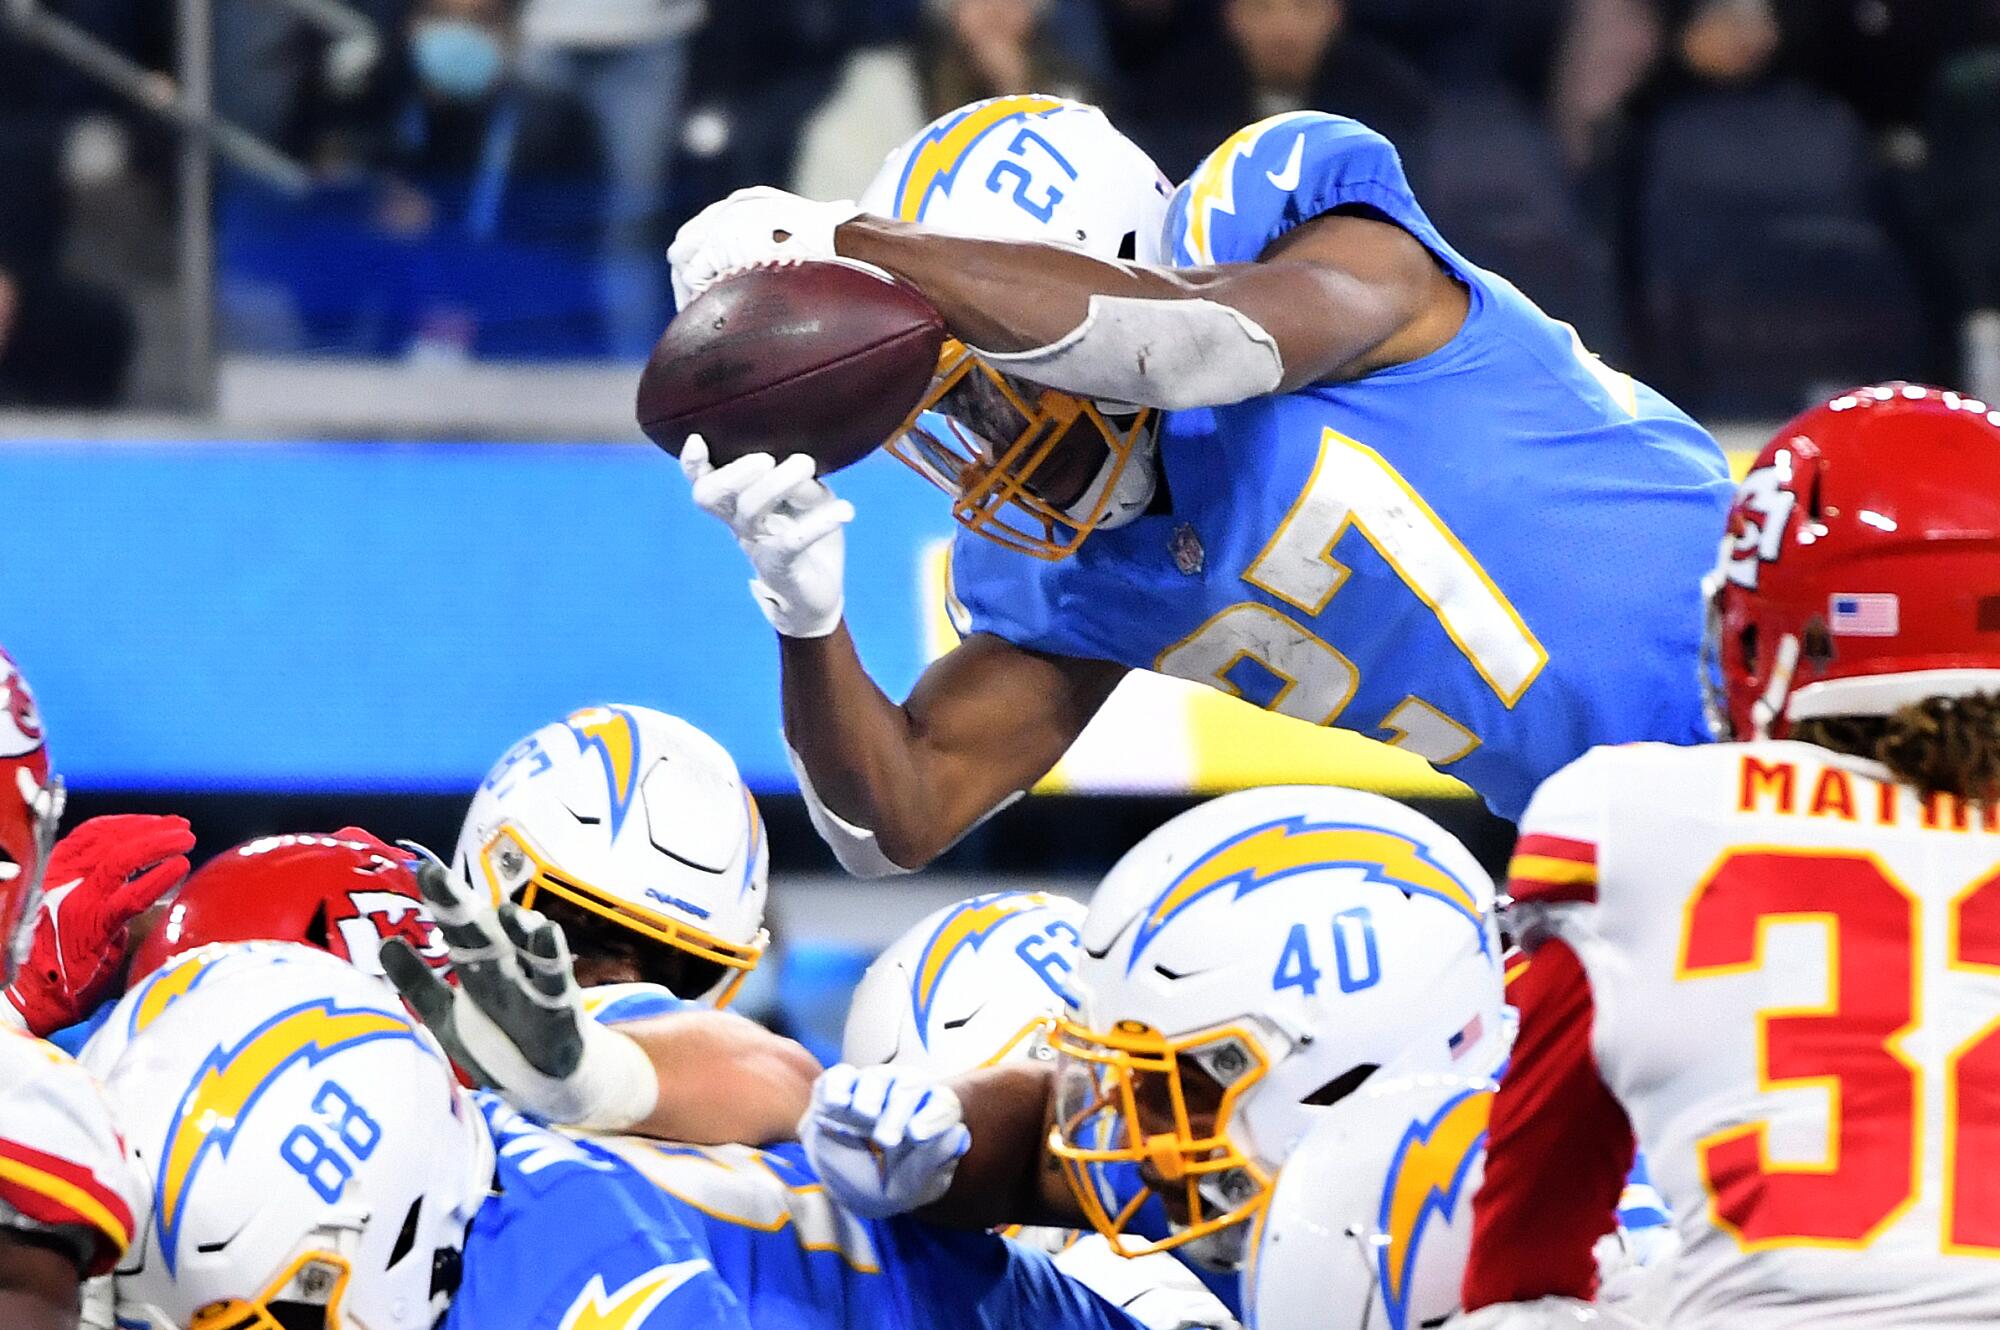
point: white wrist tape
(617, 1087)
(1171, 354)
(853, 846)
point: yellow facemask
(306, 1296)
(1134, 1096)
(983, 438)
(508, 859)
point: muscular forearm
(1335, 298)
(723, 1079)
(858, 749)
(1007, 1176)
(1003, 295)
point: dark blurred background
(1742, 201)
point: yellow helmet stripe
(1281, 848)
(614, 734)
(230, 1082)
(937, 159)
(167, 986)
(967, 925)
(1425, 1178)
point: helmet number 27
(1041, 209)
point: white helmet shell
(1028, 167)
(306, 1143)
(1293, 942)
(639, 818)
(972, 985)
(1370, 1223)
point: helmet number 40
(1357, 963)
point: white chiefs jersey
(1795, 971)
(63, 1165)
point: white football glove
(516, 1022)
(790, 527)
(751, 226)
(883, 1140)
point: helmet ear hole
(1128, 248)
(407, 1237)
(1746, 643)
(1342, 1085)
(1816, 643)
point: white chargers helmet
(972, 985)
(1371, 1220)
(1247, 966)
(313, 1161)
(1036, 168)
(640, 822)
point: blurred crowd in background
(1744, 201)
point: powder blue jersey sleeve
(571, 1238)
(1490, 556)
(1269, 177)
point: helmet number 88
(321, 1155)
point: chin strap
(1769, 709)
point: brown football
(825, 358)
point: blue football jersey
(586, 1231)
(1491, 556)
(571, 1238)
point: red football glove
(101, 876)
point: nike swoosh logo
(1288, 179)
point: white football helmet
(312, 1158)
(1247, 966)
(974, 984)
(1035, 168)
(640, 819)
(1370, 1223)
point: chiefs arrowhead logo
(20, 721)
(379, 916)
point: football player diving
(1268, 432)
(68, 1192)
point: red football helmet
(1861, 568)
(30, 807)
(346, 893)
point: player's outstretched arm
(889, 1140)
(723, 1079)
(1008, 1175)
(1335, 298)
(515, 1023)
(1535, 1228)
(903, 782)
